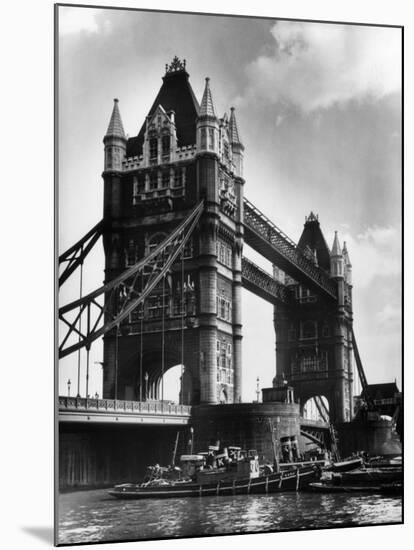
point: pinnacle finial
(207, 106)
(233, 129)
(115, 127)
(176, 66)
(336, 249)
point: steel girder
(124, 293)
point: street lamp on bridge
(146, 385)
(69, 383)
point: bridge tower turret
(182, 154)
(314, 334)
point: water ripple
(90, 516)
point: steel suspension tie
(141, 345)
(182, 327)
(80, 327)
(116, 361)
(163, 342)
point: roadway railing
(122, 406)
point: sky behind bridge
(319, 111)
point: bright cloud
(376, 252)
(315, 65)
(75, 20)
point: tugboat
(231, 471)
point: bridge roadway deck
(111, 411)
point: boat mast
(175, 448)
(274, 446)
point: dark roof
(383, 391)
(175, 95)
(313, 237)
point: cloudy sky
(319, 111)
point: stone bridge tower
(314, 336)
(182, 154)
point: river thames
(94, 516)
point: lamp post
(102, 367)
(146, 386)
(69, 383)
(257, 389)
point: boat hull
(284, 481)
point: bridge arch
(316, 407)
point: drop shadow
(44, 534)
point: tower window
(131, 254)
(153, 184)
(309, 329)
(166, 145)
(211, 142)
(226, 150)
(177, 178)
(223, 308)
(224, 253)
(325, 331)
(165, 179)
(153, 145)
(203, 138)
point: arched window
(309, 329)
(203, 135)
(165, 145)
(153, 147)
(211, 143)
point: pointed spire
(233, 130)
(345, 254)
(115, 127)
(336, 249)
(207, 107)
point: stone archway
(316, 408)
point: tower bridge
(174, 223)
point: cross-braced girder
(265, 237)
(322, 409)
(76, 254)
(123, 294)
(263, 284)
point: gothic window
(225, 150)
(211, 144)
(223, 308)
(177, 177)
(325, 331)
(292, 333)
(228, 256)
(224, 253)
(153, 182)
(165, 145)
(309, 363)
(139, 185)
(323, 361)
(131, 254)
(228, 358)
(153, 146)
(305, 295)
(203, 138)
(309, 329)
(165, 179)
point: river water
(94, 516)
